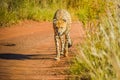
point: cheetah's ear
(54, 20)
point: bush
(99, 55)
(12, 11)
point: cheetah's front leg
(66, 45)
(62, 44)
(57, 47)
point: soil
(27, 51)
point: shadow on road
(15, 56)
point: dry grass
(12, 11)
(99, 56)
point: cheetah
(61, 26)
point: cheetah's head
(60, 26)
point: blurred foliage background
(12, 11)
(98, 57)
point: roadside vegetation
(98, 57)
(13, 11)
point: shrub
(98, 57)
(12, 11)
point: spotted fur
(61, 26)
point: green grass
(98, 57)
(13, 11)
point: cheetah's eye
(61, 27)
(64, 20)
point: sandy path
(27, 52)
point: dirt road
(27, 52)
